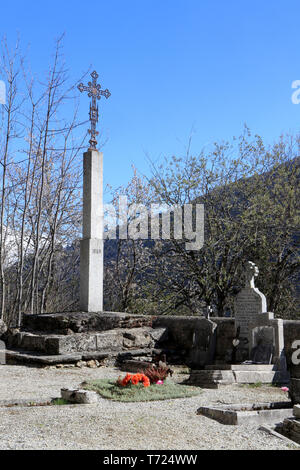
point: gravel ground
(169, 424)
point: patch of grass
(108, 388)
(59, 402)
(255, 385)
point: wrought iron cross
(94, 91)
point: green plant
(254, 385)
(59, 402)
(108, 388)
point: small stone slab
(124, 355)
(248, 413)
(23, 357)
(88, 356)
(256, 376)
(213, 378)
(25, 402)
(82, 397)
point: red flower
(134, 380)
(146, 381)
(126, 380)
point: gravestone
(263, 338)
(265, 332)
(248, 303)
(203, 344)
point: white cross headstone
(248, 303)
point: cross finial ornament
(94, 91)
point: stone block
(295, 391)
(112, 340)
(159, 335)
(256, 413)
(138, 338)
(83, 397)
(296, 411)
(211, 379)
(59, 344)
(31, 342)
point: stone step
(211, 378)
(216, 378)
(120, 339)
(242, 367)
(19, 356)
(82, 322)
(14, 356)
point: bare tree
(41, 180)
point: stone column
(91, 245)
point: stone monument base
(215, 376)
(63, 338)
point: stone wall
(181, 331)
(197, 339)
(192, 340)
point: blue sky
(174, 67)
